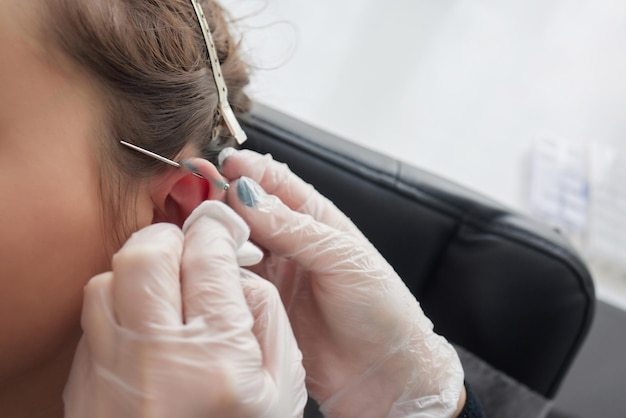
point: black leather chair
(506, 288)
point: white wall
(462, 88)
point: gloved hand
(368, 349)
(177, 329)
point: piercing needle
(219, 183)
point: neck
(37, 393)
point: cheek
(52, 244)
(52, 239)
(144, 208)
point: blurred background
(523, 101)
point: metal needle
(219, 183)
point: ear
(177, 193)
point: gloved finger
(210, 273)
(146, 284)
(274, 177)
(97, 319)
(271, 323)
(277, 179)
(284, 232)
(282, 358)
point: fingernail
(224, 154)
(189, 166)
(249, 192)
(221, 184)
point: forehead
(23, 57)
(24, 43)
(32, 75)
(19, 59)
(17, 20)
(46, 105)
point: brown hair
(150, 63)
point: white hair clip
(222, 91)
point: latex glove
(368, 349)
(177, 329)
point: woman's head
(76, 77)
(149, 62)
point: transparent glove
(368, 349)
(177, 329)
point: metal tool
(217, 182)
(222, 91)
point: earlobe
(177, 194)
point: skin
(53, 239)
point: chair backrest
(508, 289)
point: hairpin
(222, 96)
(222, 91)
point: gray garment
(500, 395)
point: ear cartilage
(217, 182)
